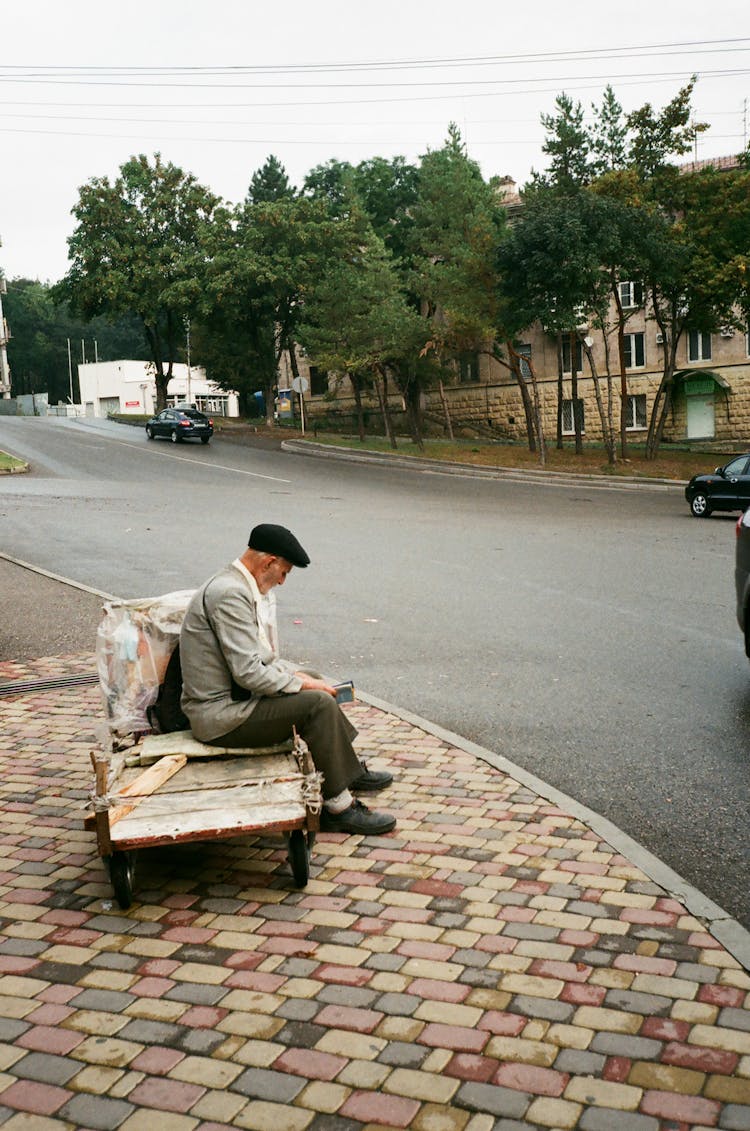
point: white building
(129, 387)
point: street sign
(300, 384)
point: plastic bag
(134, 642)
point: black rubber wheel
(175, 436)
(205, 439)
(150, 433)
(700, 506)
(299, 857)
(121, 873)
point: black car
(180, 423)
(742, 576)
(727, 489)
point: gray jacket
(220, 641)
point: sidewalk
(494, 963)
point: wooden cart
(170, 789)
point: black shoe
(356, 819)
(370, 780)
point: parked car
(180, 423)
(726, 489)
(742, 576)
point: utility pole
(4, 336)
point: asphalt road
(587, 634)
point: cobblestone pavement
(492, 964)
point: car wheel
(700, 506)
(175, 436)
(205, 439)
(150, 433)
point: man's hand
(310, 684)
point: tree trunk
(663, 399)
(559, 392)
(528, 408)
(383, 398)
(536, 411)
(574, 393)
(357, 389)
(607, 432)
(446, 410)
(623, 374)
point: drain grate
(26, 686)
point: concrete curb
(731, 934)
(481, 471)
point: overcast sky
(216, 87)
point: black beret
(277, 540)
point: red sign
(132, 404)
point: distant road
(588, 635)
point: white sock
(340, 802)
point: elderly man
(237, 692)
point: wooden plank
(101, 816)
(146, 784)
(140, 832)
(172, 808)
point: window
(468, 367)
(566, 354)
(568, 423)
(699, 346)
(631, 295)
(318, 381)
(635, 413)
(635, 351)
(524, 352)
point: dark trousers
(318, 719)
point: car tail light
(210, 421)
(185, 424)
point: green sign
(699, 387)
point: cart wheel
(121, 873)
(299, 857)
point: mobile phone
(345, 691)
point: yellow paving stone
(448, 1013)
(719, 958)
(125, 1083)
(648, 948)
(238, 940)
(144, 1119)
(156, 1009)
(206, 1071)
(437, 1060)
(613, 979)
(532, 986)
(743, 1068)
(460, 938)
(218, 1106)
(399, 1029)
(512, 963)
(485, 998)
(268, 965)
(151, 948)
(549, 1112)
(570, 1036)
(497, 883)
(714, 1037)
(27, 911)
(20, 930)
(95, 1021)
(425, 968)
(23, 1121)
(95, 1078)
(388, 982)
(518, 1050)
(362, 1046)
(108, 980)
(363, 892)
(9, 1054)
(623, 898)
(243, 925)
(323, 1096)
(535, 1029)
(696, 1012)
(481, 909)
(563, 920)
(434, 1117)
(610, 1020)
(6, 1080)
(106, 1050)
(364, 1074)
(251, 1001)
(16, 1007)
(486, 925)
(228, 1047)
(258, 1054)
(328, 918)
(341, 955)
(405, 899)
(73, 955)
(737, 978)
(261, 1115)
(111, 944)
(666, 987)
(14, 985)
(666, 1078)
(547, 903)
(201, 973)
(421, 1085)
(728, 1089)
(379, 944)
(422, 932)
(264, 895)
(603, 1093)
(299, 987)
(251, 1024)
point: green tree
(138, 248)
(270, 182)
